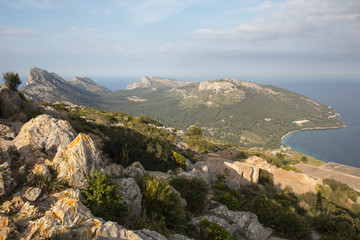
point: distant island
(244, 113)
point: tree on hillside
(11, 80)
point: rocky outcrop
(46, 133)
(76, 161)
(155, 83)
(200, 170)
(135, 170)
(131, 192)
(87, 84)
(244, 222)
(7, 183)
(10, 102)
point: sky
(182, 38)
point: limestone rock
(114, 170)
(131, 192)
(45, 133)
(179, 237)
(6, 132)
(200, 170)
(10, 102)
(157, 174)
(7, 230)
(147, 234)
(76, 161)
(135, 170)
(42, 169)
(32, 194)
(245, 222)
(10, 207)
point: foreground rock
(46, 133)
(10, 102)
(76, 161)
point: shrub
(265, 178)
(51, 184)
(230, 201)
(11, 80)
(194, 191)
(194, 131)
(213, 231)
(34, 114)
(342, 189)
(161, 203)
(101, 197)
(180, 159)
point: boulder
(10, 102)
(6, 132)
(135, 170)
(32, 194)
(147, 234)
(200, 170)
(76, 161)
(179, 237)
(131, 192)
(114, 170)
(46, 133)
(42, 169)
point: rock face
(46, 133)
(76, 161)
(87, 84)
(155, 83)
(200, 170)
(7, 183)
(50, 87)
(131, 192)
(10, 102)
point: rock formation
(10, 102)
(155, 83)
(87, 84)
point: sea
(332, 145)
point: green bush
(180, 159)
(194, 191)
(161, 203)
(213, 231)
(51, 184)
(34, 114)
(230, 201)
(103, 200)
(265, 178)
(194, 131)
(342, 189)
(11, 80)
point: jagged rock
(7, 183)
(200, 170)
(156, 82)
(135, 170)
(10, 102)
(114, 170)
(10, 207)
(76, 161)
(30, 155)
(245, 222)
(32, 194)
(69, 193)
(131, 192)
(27, 213)
(46, 133)
(157, 174)
(87, 84)
(7, 230)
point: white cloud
(316, 19)
(14, 30)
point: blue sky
(182, 38)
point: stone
(32, 194)
(179, 237)
(46, 133)
(6, 132)
(158, 175)
(147, 234)
(76, 161)
(200, 170)
(245, 222)
(114, 170)
(135, 170)
(7, 230)
(10, 102)
(42, 169)
(131, 192)
(10, 207)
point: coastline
(313, 128)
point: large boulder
(7, 183)
(131, 192)
(10, 102)
(45, 132)
(76, 161)
(200, 170)
(244, 222)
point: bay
(331, 145)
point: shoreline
(313, 128)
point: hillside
(244, 113)
(75, 172)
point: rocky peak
(218, 85)
(41, 76)
(87, 84)
(156, 82)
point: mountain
(50, 87)
(244, 113)
(87, 84)
(156, 83)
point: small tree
(11, 80)
(194, 131)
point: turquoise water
(335, 145)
